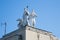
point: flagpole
(5, 24)
(5, 27)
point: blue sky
(48, 14)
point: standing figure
(25, 17)
(32, 18)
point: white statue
(32, 18)
(25, 17)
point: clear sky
(48, 14)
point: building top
(30, 28)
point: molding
(38, 30)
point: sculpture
(32, 18)
(20, 24)
(25, 17)
(28, 19)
